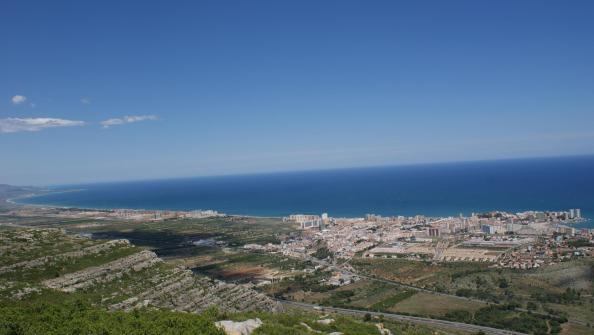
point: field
(540, 286)
(169, 236)
(32, 258)
(418, 273)
(575, 329)
(243, 266)
(433, 305)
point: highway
(405, 318)
(387, 281)
(420, 289)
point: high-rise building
(311, 224)
(572, 213)
(433, 232)
(578, 213)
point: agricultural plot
(433, 305)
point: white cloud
(18, 99)
(14, 125)
(126, 119)
(85, 101)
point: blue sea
(433, 190)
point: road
(420, 289)
(387, 281)
(405, 318)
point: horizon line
(309, 170)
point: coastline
(139, 210)
(85, 208)
(431, 191)
(15, 202)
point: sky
(122, 90)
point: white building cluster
(479, 237)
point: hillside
(52, 282)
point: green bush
(80, 318)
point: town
(521, 240)
(489, 263)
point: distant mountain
(10, 191)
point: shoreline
(431, 192)
(14, 201)
(48, 206)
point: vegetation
(570, 296)
(27, 307)
(292, 323)
(242, 266)
(82, 318)
(392, 300)
(323, 253)
(579, 243)
(506, 317)
(482, 294)
(567, 283)
(78, 317)
(562, 289)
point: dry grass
(430, 304)
(573, 329)
(417, 273)
(581, 312)
(576, 275)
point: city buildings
(494, 237)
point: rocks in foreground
(239, 328)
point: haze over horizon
(122, 91)
(311, 170)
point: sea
(446, 189)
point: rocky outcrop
(325, 321)
(103, 273)
(239, 328)
(382, 330)
(182, 290)
(51, 259)
(141, 277)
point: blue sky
(117, 90)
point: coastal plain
(240, 251)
